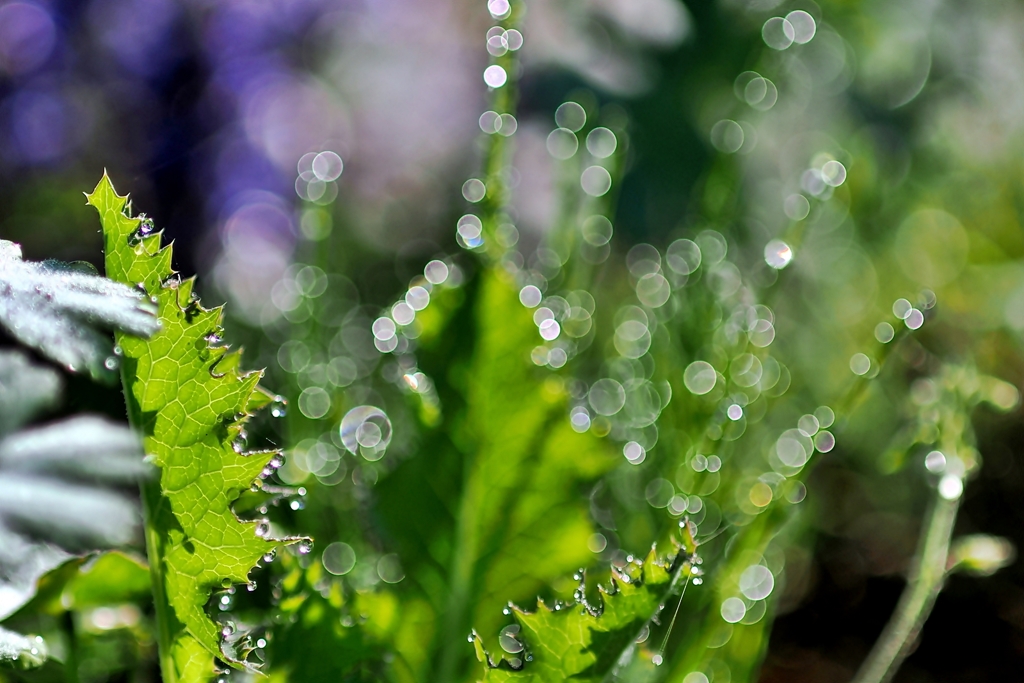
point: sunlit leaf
(186, 392)
(585, 641)
(321, 637)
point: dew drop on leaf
(279, 407)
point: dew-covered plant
(557, 456)
(185, 392)
(531, 414)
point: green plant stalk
(71, 659)
(166, 623)
(923, 586)
(190, 402)
(463, 577)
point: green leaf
(186, 392)
(523, 520)
(58, 309)
(582, 641)
(25, 389)
(319, 639)
(110, 579)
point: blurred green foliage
(805, 278)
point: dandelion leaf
(584, 642)
(186, 393)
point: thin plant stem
(926, 577)
(167, 625)
(71, 659)
(464, 570)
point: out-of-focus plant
(59, 483)
(626, 435)
(428, 427)
(184, 390)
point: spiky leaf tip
(187, 394)
(585, 641)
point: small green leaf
(110, 579)
(319, 639)
(582, 641)
(981, 554)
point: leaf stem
(71, 659)
(166, 623)
(923, 586)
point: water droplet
(251, 586)
(270, 555)
(756, 582)
(700, 377)
(111, 363)
(778, 254)
(279, 407)
(951, 487)
(145, 229)
(860, 364)
(305, 547)
(733, 609)
(657, 659)
(508, 641)
(339, 558)
(607, 397)
(366, 431)
(262, 528)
